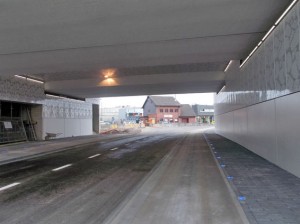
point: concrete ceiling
(150, 47)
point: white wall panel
(68, 127)
(262, 130)
(86, 126)
(225, 125)
(288, 132)
(54, 125)
(240, 126)
(270, 129)
(72, 127)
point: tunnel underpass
(57, 58)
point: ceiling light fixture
(227, 67)
(269, 32)
(19, 76)
(221, 89)
(252, 52)
(35, 80)
(285, 12)
(50, 94)
(108, 73)
(29, 79)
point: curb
(22, 158)
(229, 187)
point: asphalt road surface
(163, 177)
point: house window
(166, 110)
(176, 110)
(171, 110)
(161, 110)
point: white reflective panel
(262, 131)
(54, 125)
(288, 129)
(225, 124)
(240, 126)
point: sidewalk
(27, 150)
(268, 194)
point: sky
(138, 101)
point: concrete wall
(54, 115)
(37, 119)
(68, 127)
(260, 105)
(96, 118)
(270, 129)
(69, 117)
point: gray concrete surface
(26, 150)
(85, 192)
(147, 43)
(187, 187)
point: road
(105, 182)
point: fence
(12, 131)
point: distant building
(130, 114)
(165, 109)
(110, 115)
(204, 113)
(187, 114)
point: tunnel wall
(67, 117)
(55, 115)
(260, 106)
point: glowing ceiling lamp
(109, 72)
(29, 79)
(270, 31)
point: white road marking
(94, 156)
(114, 149)
(62, 167)
(8, 186)
(26, 167)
